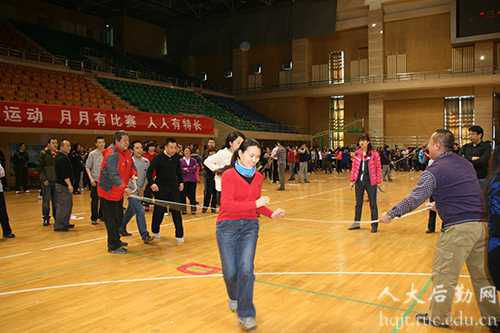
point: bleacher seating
(34, 85)
(248, 114)
(164, 68)
(10, 38)
(69, 45)
(157, 99)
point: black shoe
(374, 227)
(62, 229)
(46, 223)
(11, 235)
(213, 210)
(119, 250)
(307, 181)
(122, 244)
(429, 231)
(71, 226)
(124, 233)
(422, 318)
(184, 213)
(280, 189)
(94, 222)
(193, 213)
(203, 210)
(149, 239)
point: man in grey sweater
(93, 167)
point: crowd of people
(453, 177)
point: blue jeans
(48, 192)
(135, 208)
(237, 240)
(292, 171)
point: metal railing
(86, 65)
(34, 56)
(402, 77)
(392, 141)
(201, 110)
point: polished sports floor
(312, 274)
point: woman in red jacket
(365, 175)
(238, 228)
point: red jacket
(238, 197)
(374, 166)
(116, 169)
(291, 156)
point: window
(203, 76)
(228, 72)
(336, 121)
(256, 69)
(336, 67)
(459, 115)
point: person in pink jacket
(365, 175)
(189, 168)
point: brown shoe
(148, 239)
(124, 233)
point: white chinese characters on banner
(13, 114)
(52, 116)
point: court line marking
(410, 309)
(91, 240)
(220, 275)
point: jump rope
(183, 207)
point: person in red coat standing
(116, 170)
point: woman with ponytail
(238, 228)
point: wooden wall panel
(413, 117)
(270, 57)
(214, 65)
(287, 111)
(424, 40)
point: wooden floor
(312, 274)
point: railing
(34, 56)
(392, 141)
(402, 77)
(85, 65)
(200, 110)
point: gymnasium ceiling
(162, 12)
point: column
(376, 114)
(301, 60)
(240, 70)
(483, 105)
(376, 42)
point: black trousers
(95, 207)
(4, 217)
(210, 198)
(189, 191)
(167, 194)
(113, 219)
(493, 265)
(76, 180)
(275, 171)
(431, 225)
(21, 178)
(361, 187)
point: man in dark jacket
(47, 172)
(64, 187)
(386, 162)
(20, 162)
(478, 153)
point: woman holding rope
(365, 175)
(238, 228)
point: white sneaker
(180, 239)
(248, 323)
(233, 305)
(157, 235)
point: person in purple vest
(452, 182)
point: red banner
(19, 114)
